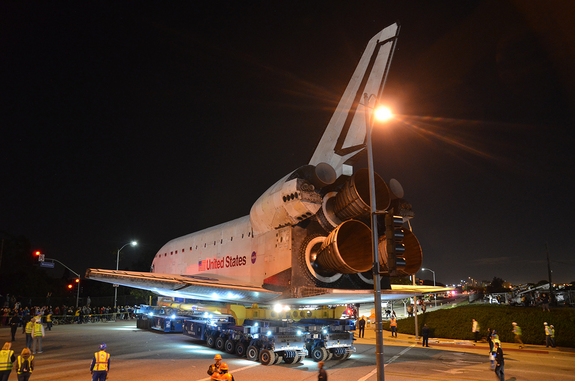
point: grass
(455, 323)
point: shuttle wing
(204, 287)
(345, 134)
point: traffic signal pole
(42, 258)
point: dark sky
(150, 120)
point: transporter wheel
(241, 349)
(267, 357)
(230, 346)
(338, 356)
(290, 360)
(278, 360)
(299, 359)
(329, 356)
(319, 354)
(346, 356)
(211, 341)
(220, 342)
(252, 353)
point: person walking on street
(552, 334)
(25, 365)
(100, 364)
(490, 339)
(37, 334)
(547, 335)
(517, 332)
(361, 325)
(393, 326)
(475, 329)
(499, 362)
(215, 368)
(425, 336)
(29, 329)
(7, 359)
(322, 375)
(15, 321)
(49, 321)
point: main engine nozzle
(412, 255)
(353, 200)
(347, 249)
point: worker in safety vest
(37, 334)
(100, 364)
(393, 326)
(29, 329)
(215, 368)
(223, 375)
(7, 359)
(25, 365)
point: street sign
(116, 285)
(47, 264)
(41, 259)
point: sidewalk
(406, 340)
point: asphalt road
(151, 355)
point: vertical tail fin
(344, 136)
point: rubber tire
(329, 356)
(230, 346)
(241, 349)
(220, 343)
(299, 359)
(267, 357)
(290, 360)
(278, 360)
(252, 353)
(338, 356)
(346, 356)
(319, 354)
(211, 341)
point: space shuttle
(307, 239)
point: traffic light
(77, 280)
(395, 248)
(39, 256)
(70, 286)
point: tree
(496, 286)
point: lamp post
(374, 234)
(132, 243)
(434, 295)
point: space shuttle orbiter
(307, 238)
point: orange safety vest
(101, 361)
(19, 369)
(393, 323)
(226, 377)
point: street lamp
(132, 243)
(380, 114)
(434, 295)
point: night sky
(151, 120)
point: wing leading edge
(213, 287)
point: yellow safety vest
(29, 327)
(5, 362)
(20, 364)
(101, 361)
(37, 329)
(49, 317)
(226, 377)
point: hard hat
(217, 357)
(514, 323)
(224, 366)
(545, 323)
(103, 346)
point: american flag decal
(202, 265)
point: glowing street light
(434, 295)
(132, 243)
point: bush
(455, 323)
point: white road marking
(386, 363)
